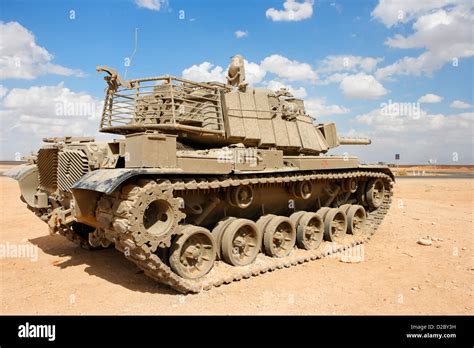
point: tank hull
(103, 208)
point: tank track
(66, 231)
(223, 273)
(75, 238)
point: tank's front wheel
(375, 192)
(193, 253)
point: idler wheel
(375, 191)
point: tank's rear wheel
(193, 253)
(279, 236)
(310, 231)
(335, 225)
(240, 242)
(356, 220)
(153, 216)
(375, 191)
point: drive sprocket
(154, 216)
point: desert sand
(397, 275)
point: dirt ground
(397, 276)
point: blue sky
(345, 58)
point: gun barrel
(354, 141)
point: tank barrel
(354, 141)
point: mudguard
(107, 180)
(28, 180)
(19, 171)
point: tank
(208, 183)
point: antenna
(128, 61)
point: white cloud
(254, 72)
(458, 104)
(362, 86)
(293, 11)
(22, 58)
(348, 63)
(317, 107)
(333, 78)
(334, 69)
(288, 69)
(240, 34)
(417, 136)
(32, 113)
(445, 33)
(391, 12)
(52, 101)
(430, 98)
(282, 67)
(3, 91)
(154, 5)
(275, 85)
(205, 72)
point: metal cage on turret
(168, 104)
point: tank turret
(214, 115)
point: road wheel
(356, 220)
(241, 242)
(323, 211)
(310, 231)
(279, 236)
(193, 253)
(335, 225)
